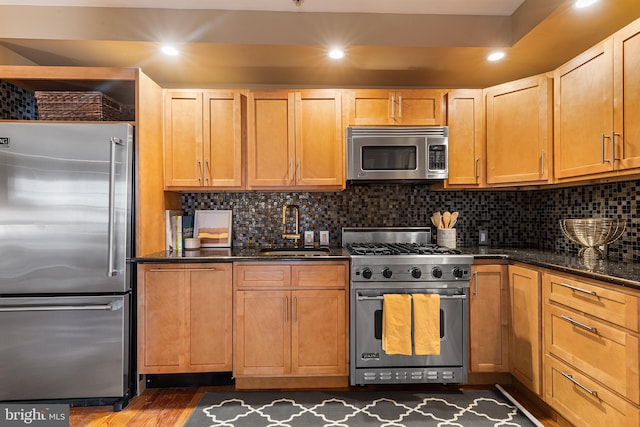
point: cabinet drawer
(606, 353)
(613, 306)
(320, 275)
(583, 401)
(261, 275)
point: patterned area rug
(474, 408)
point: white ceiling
(274, 43)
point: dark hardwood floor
(172, 407)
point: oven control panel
(411, 273)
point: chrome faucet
(285, 234)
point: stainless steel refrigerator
(66, 192)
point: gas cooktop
(377, 248)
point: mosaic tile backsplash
(512, 218)
(17, 103)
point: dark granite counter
(235, 254)
(617, 273)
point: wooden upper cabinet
(374, 107)
(519, 132)
(222, 139)
(626, 79)
(203, 139)
(295, 140)
(597, 102)
(465, 121)
(584, 114)
(183, 139)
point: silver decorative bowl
(592, 233)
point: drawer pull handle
(588, 390)
(577, 289)
(580, 325)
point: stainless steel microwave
(400, 153)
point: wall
(512, 218)
(542, 209)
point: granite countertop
(617, 273)
(235, 254)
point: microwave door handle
(393, 106)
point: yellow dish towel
(426, 324)
(396, 324)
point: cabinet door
(370, 107)
(488, 319)
(519, 131)
(465, 121)
(318, 336)
(223, 139)
(627, 96)
(583, 114)
(263, 333)
(418, 107)
(210, 318)
(161, 321)
(270, 139)
(319, 139)
(525, 294)
(183, 162)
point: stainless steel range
(401, 261)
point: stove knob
(416, 273)
(386, 273)
(366, 273)
(457, 272)
(436, 272)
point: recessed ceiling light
(495, 56)
(336, 53)
(170, 50)
(584, 3)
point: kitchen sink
(295, 252)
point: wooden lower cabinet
(489, 319)
(290, 332)
(592, 346)
(525, 294)
(184, 318)
(583, 401)
(290, 320)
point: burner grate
(399, 249)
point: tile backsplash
(17, 103)
(512, 218)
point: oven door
(368, 351)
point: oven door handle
(381, 297)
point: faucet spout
(295, 235)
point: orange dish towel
(396, 324)
(426, 324)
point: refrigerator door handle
(111, 271)
(114, 306)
